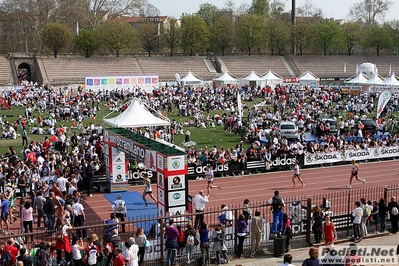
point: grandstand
(74, 70)
(384, 62)
(5, 72)
(329, 66)
(239, 65)
(167, 67)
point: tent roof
(308, 76)
(374, 80)
(389, 81)
(359, 78)
(191, 79)
(271, 76)
(252, 76)
(136, 115)
(227, 78)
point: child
(181, 241)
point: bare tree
(309, 10)
(369, 11)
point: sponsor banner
(358, 155)
(146, 82)
(180, 210)
(118, 156)
(176, 198)
(135, 150)
(161, 196)
(384, 98)
(176, 182)
(118, 173)
(160, 162)
(161, 210)
(161, 180)
(150, 160)
(134, 175)
(175, 163)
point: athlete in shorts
(297, 174)
(147, 189)
(209, 179)
(355, 173)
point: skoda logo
(343, 156)
(309, 158)
(175, 164)
(386, 95)
(118, 167)
(176, 196)
(376, 152)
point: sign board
(146, 82)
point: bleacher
(5, 78)
(74, 70)
(167, 67)
(329, 66)
(240, 65)
(384, 62)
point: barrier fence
(338, 204)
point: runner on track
(297, 174)
(209, 179)
(355, 173)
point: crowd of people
(51, 174)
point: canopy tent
(272, 78)
(390, 81)
(251, 79)
(358, 79)
(191, 80)
(225, 79)
(309, 79)
(374, 80)
(136, 115)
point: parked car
(369, 125)
(288, 129)
(333, 129)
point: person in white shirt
(130, 253)
(287, 260)
(77, 246)
(120, 210)
(297, 174)
(357, 215)
(62, 184)
(226, 217)
(209, 179)
(199, 203)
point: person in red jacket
(119, 259)
(13, 250)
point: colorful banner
(384, 98)
(146, 82)
(358, 155)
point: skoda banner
(384, 98)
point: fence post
(386, 195)
(308, 218)
(349, 213)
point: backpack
(180, 238)
(277, 203)
(190, 240)
(92, 254)
(41, 258)
(394, 211)
(6, 258)
(367, 211)
(153, 230)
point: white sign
(177, 211)
(384, 98)
(160, 162)
(161, 195)
(176, 182)
(160, 180)
(176, 198)
(176, 163)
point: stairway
(209, 65)
(291, 67)
(222, 65)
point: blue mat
(135, 208)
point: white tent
(389, 81)
(251, 79)
(272, 78)
(374, 80)
(225, 79)
(136, 115)
(191, 80)
(309, 79)
(358, 79)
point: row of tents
(269, 78)
(374, 80)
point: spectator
(383, 211)
(27, 219)
(353, 258)
(219, 245)
(62, 226)
(204, 243)
(375, 213)
(80, 217)
(120, 210)
(112, 224)
(171, 242)
(317, 224)
(241, 227)
(140, 239)
(287, 261)
(313, 259)
(190, 236)
(130, 253)
(357, 215)
(91, 254)
(4, 213)
(119, 260)
(393, 208)
(23, 257)
(278, 214)
(199, 203)
(329, 232)
(256, 232)
(226, 217)
(246, 210)
(12, 249)
(76, 248)
(287, 231)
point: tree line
(70, 26)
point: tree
(279, 36)
(325, 33)
(171, 35)
(353, 33)
(369, 11)
(276, 8)
(222, 34)
(56, 37)
(195, 34)
(250, 32)
(379, 37)
(148, 37)
(209, 13)
(395, 34)
(116, 36)
(260, 7)
(309, 10)
(302, 34)
(87, 42)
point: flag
(390, 70)
(384, 98)
(77, 27)
(239, 103)
(357, 69)
(159, 29)
(345, 68)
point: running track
(260, 187)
